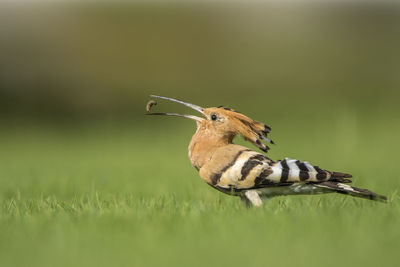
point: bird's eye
(214, 117)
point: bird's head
(224, 121)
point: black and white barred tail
(351, 190)
(292, 170)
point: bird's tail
(351, 190)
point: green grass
(127, 196)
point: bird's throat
(203, 145)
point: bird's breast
(232, 166)
(203, 146)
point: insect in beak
(192, 117)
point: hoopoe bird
(239, 171)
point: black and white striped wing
(251, 170)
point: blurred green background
(87, 180)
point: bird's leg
(251, 196)
(246, 201)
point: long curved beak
(192, 117)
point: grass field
(124, 195)
(87, 180)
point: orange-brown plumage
(237, 170)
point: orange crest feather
(251, 130)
